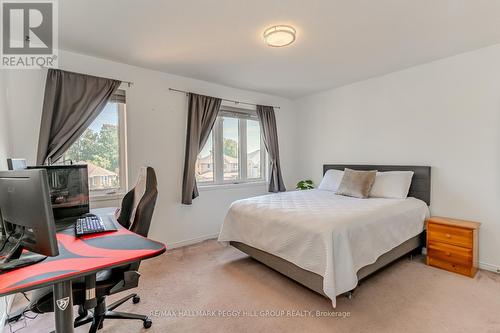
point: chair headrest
(146, 180)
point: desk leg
(63, 306)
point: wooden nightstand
(453, 245)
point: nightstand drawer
(451, 253)
(450, 235)
(449, 266)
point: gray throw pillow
(356, 183)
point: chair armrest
(130, 280)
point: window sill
(106, 197)
(212, 187)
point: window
(205, 162)
(234, 152)
(254, 150)
(102, 148)
(230, 147)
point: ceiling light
(279, 35)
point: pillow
(356, 183)
(392, 184)
(331, 180)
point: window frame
(242, 115)
(104, 194)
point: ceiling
(338, 41)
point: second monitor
(69, 190)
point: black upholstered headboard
(420, 187)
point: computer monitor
(26, 212)
(69, 189)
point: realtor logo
(62, 303)
(29, 34)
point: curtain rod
(129, 83)
(227, 100)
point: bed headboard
(420, 187)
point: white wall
(4, 128)
(445, 114)
(156, 127)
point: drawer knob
(448, 254)
(448, 236)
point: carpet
(209, 287)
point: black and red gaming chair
(135, 214)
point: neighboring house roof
(97, 171)
(208, 159)
(230, 160)
(254, 156)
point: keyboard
(89, 225)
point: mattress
(330, 235)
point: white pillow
(392, 184)
(331, 180)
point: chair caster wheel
(136, 299)
(147, 323)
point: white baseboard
(489, 267)
(190, 241)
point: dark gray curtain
(71, 102)
(270, 136)
(202, 113)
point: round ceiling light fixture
(279, 35)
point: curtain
(270, 136)
(71, 102)
(202, 113)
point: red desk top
(80, 256)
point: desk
(78, 257)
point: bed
(328, 242)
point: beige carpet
(212, 280)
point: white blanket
(319, 231)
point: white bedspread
(319, 231)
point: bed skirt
(314, 281)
